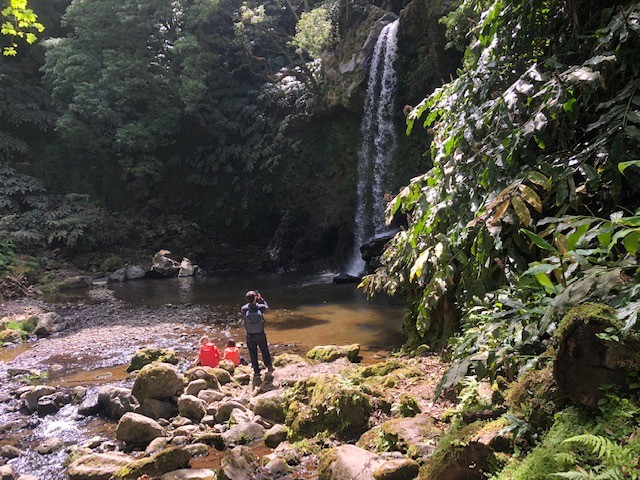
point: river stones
(269, 408)
(148, 355)
(190, 474)
(97, 466)
(137, 429)
(275, 435)
(48, 324)
(285, 359)
(209, 374)
(329, 353)
(225, 409)
(50, 445)
(158, 380)
(348, 461)
(415, 436)
(167, 460)
(210, 396)
(7, 473)
(31, 397)
(397, 469)
(9, 451)
(239, 463)
(116, 401)
(196, 387)
(192, 407)
(243, 434)
(157, 409)
(50, 404)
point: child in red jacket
(209, 355)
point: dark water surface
(307, 310)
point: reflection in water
(185, 289)
(306, 310)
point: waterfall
(378, 144)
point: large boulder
(239, 463)
(269, 408)
(329, 353)
(158, 380)
(148, 355)
(48, 324)
(186, 268)
(116, 401)
(397, 469)
(135, 272)
(97, 466)
(348, 461)
(138, 430)
(324, 404)
(412, 436)
(585, 361)
(275, 435)
(190, 474)
(31, 397)
(243, 434)
(192, 407)
(157, 409)
(165, 461)
(163, 266)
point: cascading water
(378, 144)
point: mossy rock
(287, 359)
(329, 353)
(461, 456)
(408, 406)
(11, 336)
(111, 264)
(158, 380)
(147, 355)
(585, 362)
(380, 369)
(167, 460)
(414, 437)
(326, 404)
(208, 374)
(535, 398)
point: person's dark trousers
(255, 340)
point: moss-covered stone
(460, 455)
(408, 406)
(11, 336)
(287, 359)
(586, 359)
(147, 355)
(158, 380)
(535, 398)
(380, 369)
(414, 437)
(167, 460)
(209, 374)
(329, 353)
(327, 404)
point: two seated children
(209, 355)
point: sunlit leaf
(531, 197)
(521, 210)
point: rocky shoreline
(166, 421)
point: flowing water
(305, 311)
(378, 143)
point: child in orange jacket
(232, 353)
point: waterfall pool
(306, 310)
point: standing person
(253, 311)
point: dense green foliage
(532, 201)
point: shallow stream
(103, 335)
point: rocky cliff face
(346, 67)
